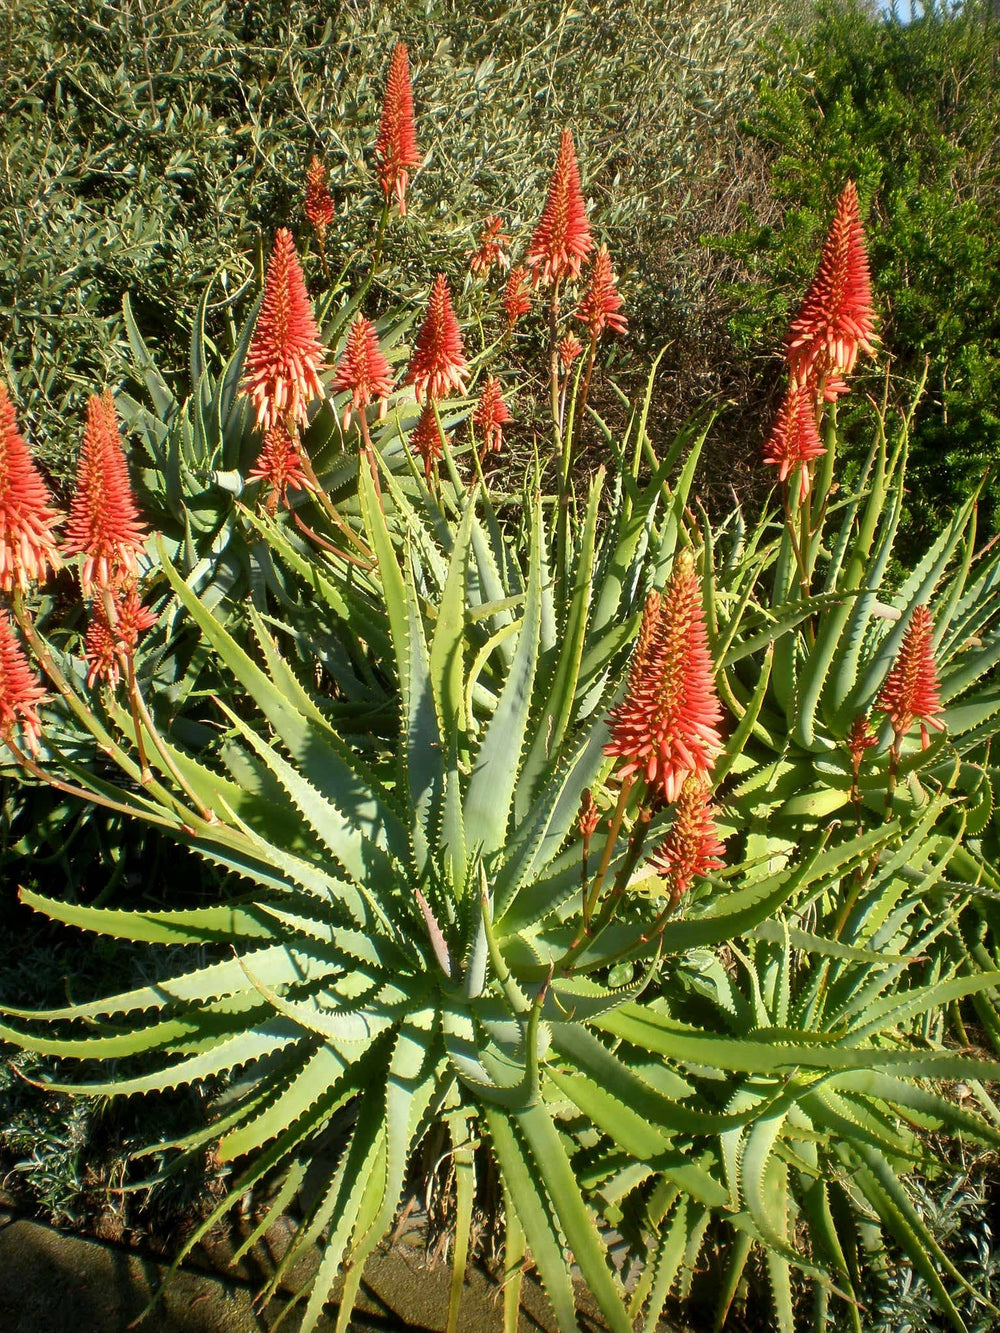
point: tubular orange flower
(104, 525)
(491, 415)
(691, 848)
(570, 348)
(425, 439)
(108, 647)
(319, 204)
(396, 152)
(438, 364)
(279, 463)
(20, 690)
(363, 371)
(601, 306)
(666, 726)
(27, 544)
(516, 301)
(562, 239)
(491, 246)
(835, 319)
(285, 354)
(859, 739)
(911, 688)
(794, 440)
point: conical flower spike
(601, 306)
(279, 463)
(562, 239)
(691, 848)
(794, 440)
(285, 355)
(491, 415)
(27, 544)
(425, 439)
(911, 688)
(104, 525)
(109, 647)
(491, 247)
(835, 320)
(438, 365)
(570, 348)
(666, 727)
(20, 690)
(516, 300)
(396, 152)
(363, 371)
(319, 204)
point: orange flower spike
(104, 525)
(794, 440)
(589, 816)
(279, 463)
(425, 439)
(27, 544)
(570, 348)
(438, 365)
(285, 354)
(396, 152)
(491, 415)
(666, 727)
(562, 239)
(20, 690)
(108, 647)
(492, 243)
(363, 371)
(859, 739)
(911, 689)
(601, 306)
(516, 301)
(319, 203)
(836, 319)
(692, 848)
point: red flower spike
(279, 463)
(319, 204)
(27, 544)
(109, 647)
(491, 247)
(835, 319)
(396, 152)
(20, 690)
(691, 848)
(438, 365)
(589, 816)
(363, 371)
(491, 415)
(562, 239)
(516, 301)
(859, 739)
(285, 354)
(911, 688)
(425, 439)
(666, 727)
(569, 349)
(794, 440)
(104, 525)
(601, 306)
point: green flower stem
(324, 545)
(382, 223)
(139, 703)
(369, 452)
(110, 611)
(614, 827)
(326, 504)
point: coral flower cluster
(285, 354)
(667, 726)
(20, 691)
(27, 517)
(834, 323)
(516, 299)
(319, 204)
(601, 307)
(562, 239)
(111, 639)
(426, 440)
(363, 371)
(279, 463)
(491, 415)
(692, 848)
(438, 366)
(396, 154)
(911, 689)
(492, 247)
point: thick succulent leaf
(201, 925)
